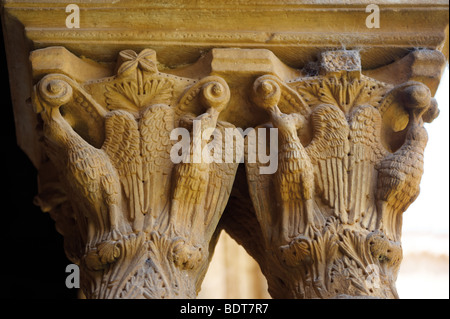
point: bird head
(432, 112)
(215, 96)
(286, 122)
(49, 95)
(266, 93)
(416, 99)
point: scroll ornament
(138, 225)
(350, 163)
(328, 221)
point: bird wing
(220, 182)
(122, 145)
(261, 186)
(399, 173)
(295, 182)
(156, 123)
(327, 151)
(365, 152)
(202, 191)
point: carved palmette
(143, 222)
(140, 225)
(347, 170)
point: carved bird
(328, 150)
(201, 188)
(155, 126)
(122, 146)
(294, 177)
(140, 150)
(366, 151)
(93, 185)
(192, 177)
(399, 173)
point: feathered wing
(122, 144)
(202, 190)
(366, 151)
(190, 183)
(327, 151)
(156, 124)
(295, 184)
(261, 186)
(220, 182)
(398, 184)
(92, 187)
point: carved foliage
(332, 213)
(350, 160)
(138, 84)
(129, 200)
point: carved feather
(202, 190)
(155, 127)
(91, 180)
(220, 182)
(261, 187)
(295, 182)
(122, 144)
(191, 182)
(327, 151)
(365, 151)
(399, 176)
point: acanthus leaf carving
(331, 214)
(350, 160)
(129, 199)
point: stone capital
(118, 114)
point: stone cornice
(180, 31)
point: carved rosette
(350, 163)
(138, 225)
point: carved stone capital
(143, 223)
(350, 160)
(128, 121)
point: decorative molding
(180, 36)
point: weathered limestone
(143, 222)
(350, 140)
(333, 210)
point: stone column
(117, 116)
